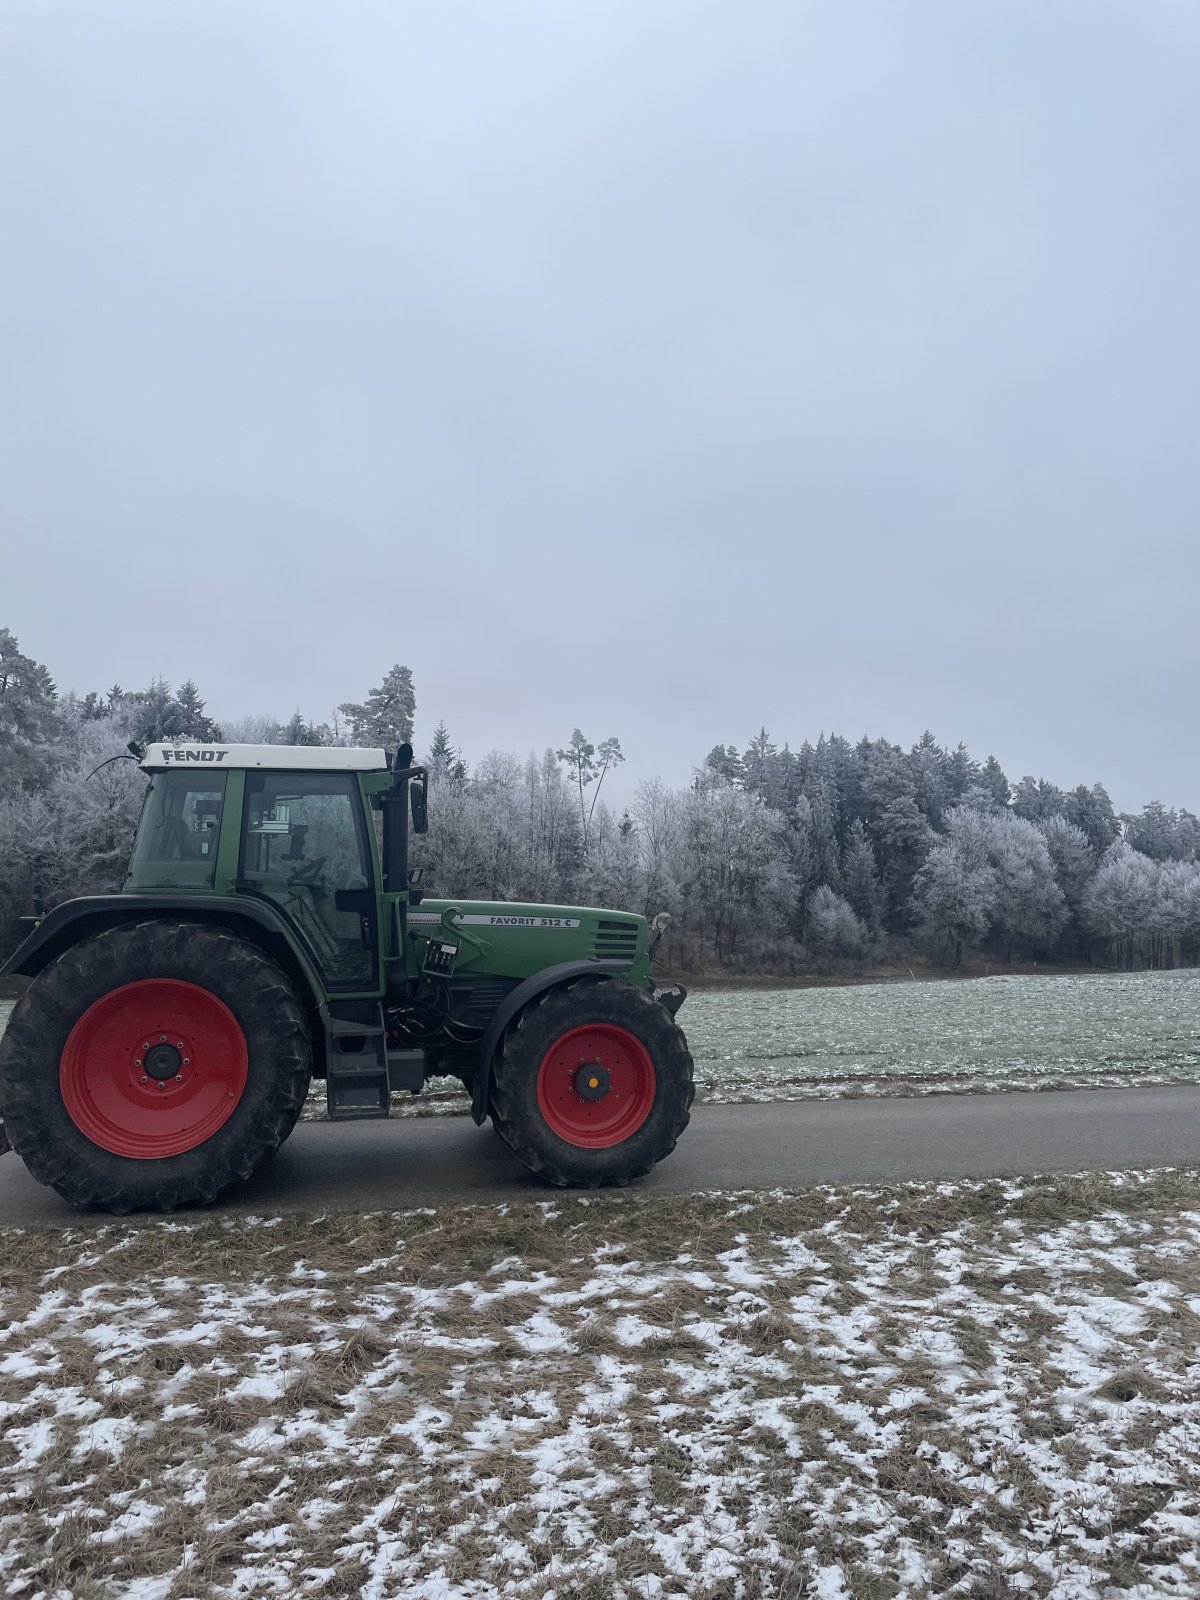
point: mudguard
(77, 919)
(548, 978)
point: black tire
(518, 1117)
(248, 982)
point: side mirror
(419, 798)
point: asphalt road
(417, 1161)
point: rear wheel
(593, 1084)
(151, 1066)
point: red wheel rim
(153, 1068)
(596, 1085)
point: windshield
(176, 845)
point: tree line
(769, 860)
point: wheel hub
(163, 1060)
(592, 1081)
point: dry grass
(966, 1389)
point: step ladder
(361, 1071)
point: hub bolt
(179, 1077)
(142, 1079)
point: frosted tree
(73, 836)
(954, 895)
(554, 835)
(299, 732)
(905, 839)
(833, 929)
(30, 724)
(724, 760)
(656, 813)
(194, 724)
(737, 879)
(612, 874)
(154, 715)
(758, 765)
(932, 778)
(385, 720)
(1091, 811)
(1162, 834)
(1030, 909)
(1037, 800)
(826, 857)
(260, 727)
(1073, 862)
(1177, 912)
(808, 860)
(994, 784)
(1120, 902)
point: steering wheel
(309, 875)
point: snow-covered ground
(971, 1389)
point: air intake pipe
(409, 792)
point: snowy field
(970, 1389)
(980, 1035)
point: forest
(772, 860)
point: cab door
(305, 847)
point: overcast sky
(666, 369)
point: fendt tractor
(268, 933)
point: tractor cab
(291, 827)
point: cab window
(304, 846)
(176, 845)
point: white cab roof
(285, 757)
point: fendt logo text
(194, 755)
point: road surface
(418, 1161)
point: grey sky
(666, 369)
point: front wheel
(593, 1084)
(153, 1065)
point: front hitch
(671, 997)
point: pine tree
(30, 721)
(724, 760)
(1153, 831)
(758, 762)
(193, 724)
(299, 732)
(441, 752)
(155, 715)
(860, 878)
(1037, 800)
(992, 779)
(386, 720)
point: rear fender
(256, 920)
(548, 978)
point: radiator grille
(615, 941)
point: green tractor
(268, 933)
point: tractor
(269, 931)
